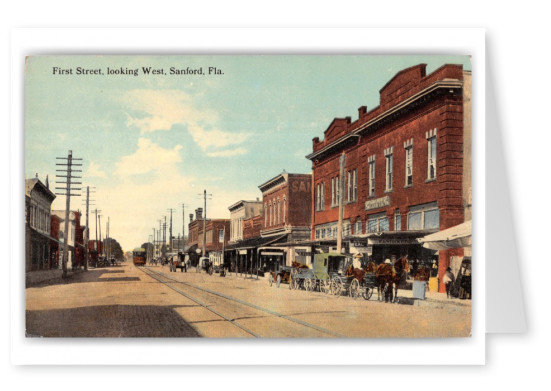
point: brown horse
(384, 277)
(358, 273)
(389, 277)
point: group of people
(420, 269)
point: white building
(240, 211)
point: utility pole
(153, 251)
(183, 227)
(159, 235)
(68, 176)
(96, 211)
(100, 237)
(170, 231)
(87, 236)
(340, 187)
(107, 240)
(205, 222)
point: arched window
(284, 209)
(278, 211)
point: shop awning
(454, 237)
(254, 242)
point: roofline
(439, 84)
(242, 202)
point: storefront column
(444, 261)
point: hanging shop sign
(377, 203)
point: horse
(389, 277)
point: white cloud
(149, 157)
(162, 109)
(94, 171)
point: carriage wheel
(270, 279)
(336, 286)
(368, 293)
(278, 282)
(325, 286)
(354, 289)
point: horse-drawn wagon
(287, 275)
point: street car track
(168, 281)
(159, 276)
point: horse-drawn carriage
(286, 274)
(334, 273)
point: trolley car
(139, 256)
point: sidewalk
(432, 299)
(37, 277)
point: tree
(113, 248)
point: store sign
(377, 203)
(378, 241)
(271, 253)
(242, 252)
(358, 243)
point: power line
(68, 182)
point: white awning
(454, 237)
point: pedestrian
(448, 281)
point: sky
(154, 142)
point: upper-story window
(220, 235)
(265, 215)
(371, 178)
(377, 222)
(278, 211)
(323, 196)
(397, 221)
(284, 209)
(335, 191)
(320, 195)
(426, 216)
(389, 168)
(408, 145)
(358, 227)
(431, 154)
(352, 186)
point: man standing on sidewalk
(448, 281)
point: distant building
(75, 239)
(38, 202)
(239, 212)
(216, 237)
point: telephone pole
(183, 227)
(205, 221)
(68, 176)
(170, 231)
(340, 187)
(107, 240)
(87, 236)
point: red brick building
(287, 216)
(403, 169)
(217, 235)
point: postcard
(248, 196)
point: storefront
(254, 255)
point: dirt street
(123, 301)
